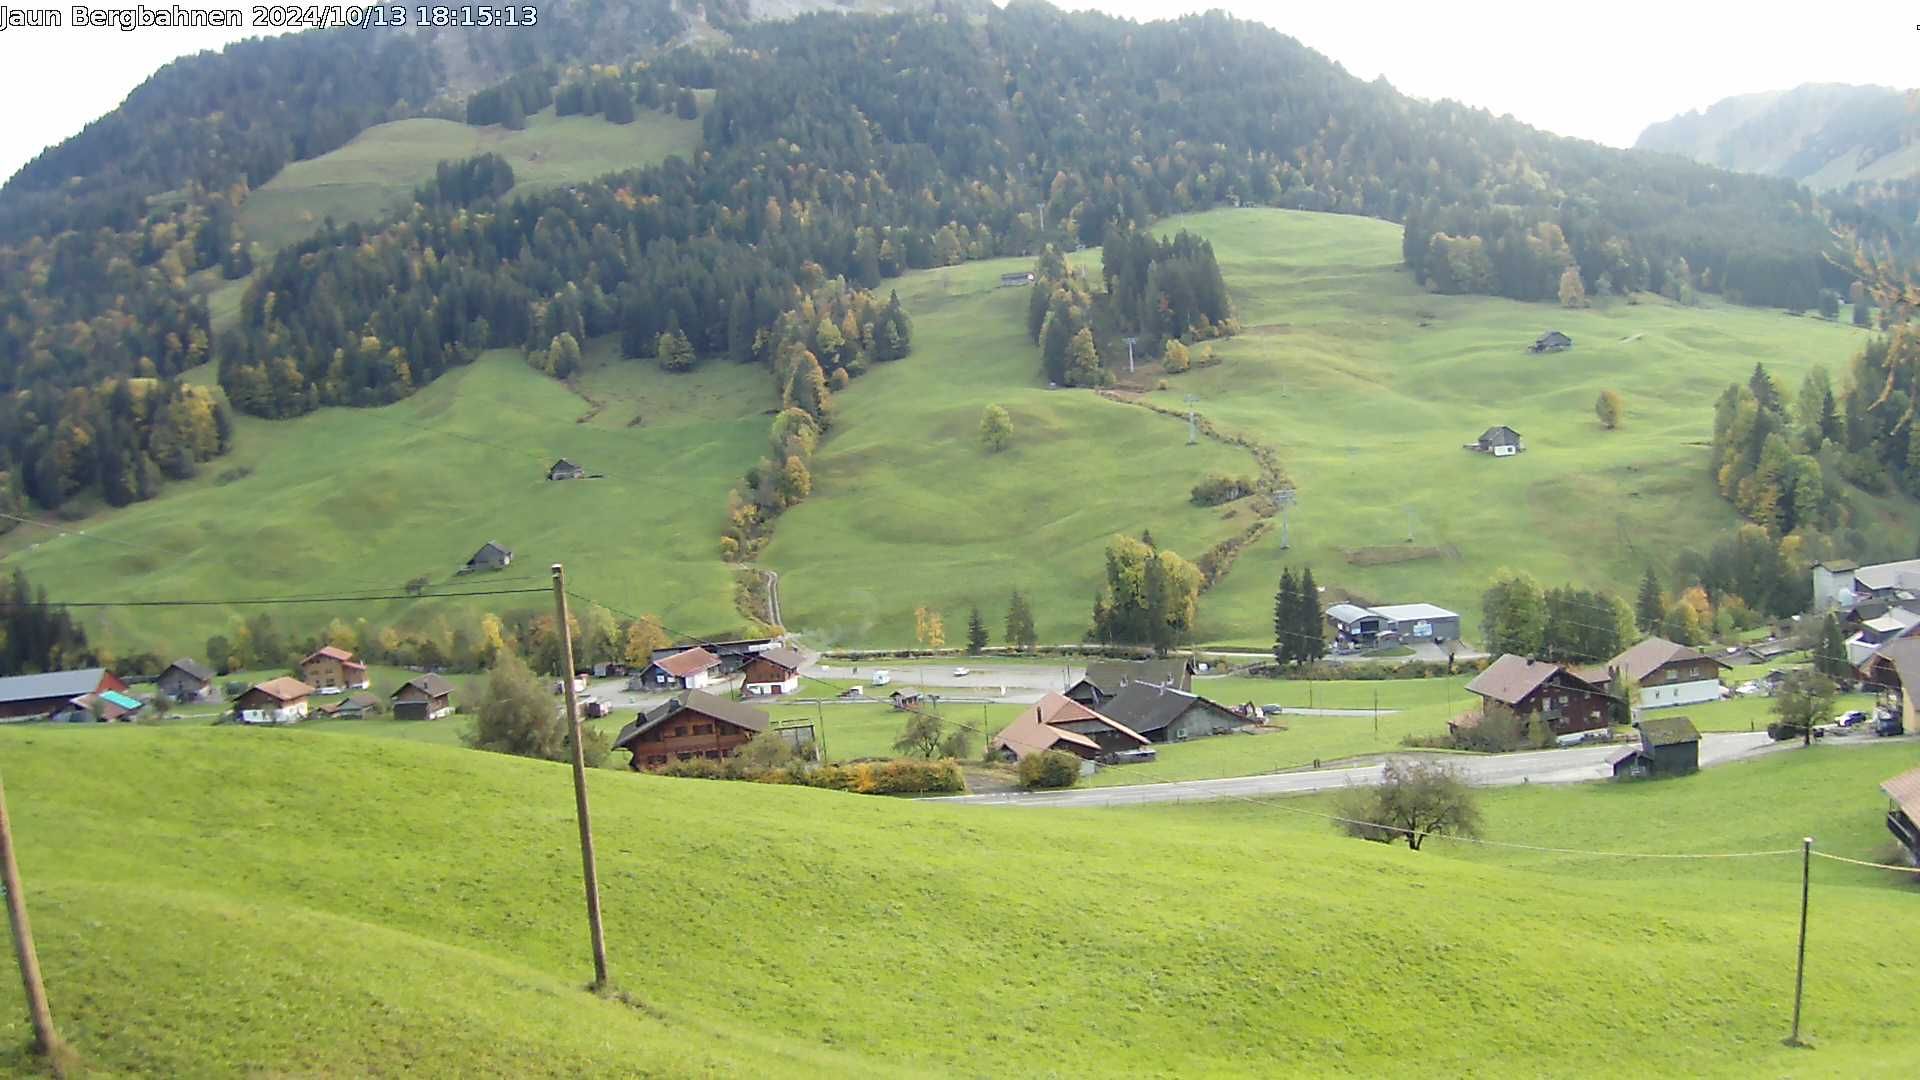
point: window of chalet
(679, 731)
(703, 729)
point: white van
(882, 678)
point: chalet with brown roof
(423, 697)
(689, 669)
(1668, 673)
(1057, 722)
(772, 673)
(692, 724)
(276, 701)
(333, 670)
(1538, 690)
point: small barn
(565, 470)
(1500, 441)
(186, 680)
(423, 697)
(1551, 341)
(356, 706)
(491, 556)
(1669, 746)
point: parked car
(1889, 724)
(1851, 719)
(1269, 710)
(882, 677)
(854, 691)
(961, 673)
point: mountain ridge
(1827, 135)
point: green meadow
(378, 171)
(364, 500)
(273, 902)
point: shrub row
(1370, 671)
(906, 776)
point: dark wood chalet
(565, 470)
(186, 680)
(772, 673)
(1669, 746)
(423, 697)
(1538, 690)
(1551, 341)
(689, 725)
(491, 556)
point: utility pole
(588, 872)
(1800, 969)
(1131, 341)
(1284, 499)
(1193, 425)
(45, 1039)
(820, 730)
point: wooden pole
(45, 1039)
(1800, 969)
(588, 871)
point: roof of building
(491, 548)
(122, 700)
(1498, 433)
(1648, 656)
(1905, 790)
(1146, 708)
(359, 701)
(284, 688)
(1838, 566)
(432, 683)
(1511, 678)
(1554, 335)
(329, 652)
(192, 668)
(52, 684)
(1892, 575)
(781, 656)
(1414, 612)
(1057, 708)
(1904, 655)
(1028, 735)
(1668, 731)
(563, 463)
(682, 664)
(1108, 676)
(1345, 614)
(98, 705)
(738, 714)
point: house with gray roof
(31, 697)
(1164, 714)
(1106, 678)
(186, 680)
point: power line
(265, 600)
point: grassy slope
(351, 499)
(1369, 408)
(342, 887)
(908, 509)
(382, 166)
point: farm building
(565, 470)
(905, 700)
(1895, 675)
(1551, 341)
(733, 654)
(772, 673)
(1105, 678)
(331, 670)
(1010, 280)
(357, 706)
(1669, 746)
(28, 697)
(1164, 714)
(1903, 815)
(491, 556)
(276, 701)
(186, 680)
(1058, 722)
(1668, 674)
(1845, 584)
(105, 707)
(1500, 441)
(1538, 690)
(1368, 626)
(692, 724)
(423, 697)
(688, 669)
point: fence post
(1800, 968)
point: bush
(900, 777)
(1049, 769)
(1217, 489)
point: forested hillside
(835, 146)
(1824, 135)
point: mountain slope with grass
(1825, 135)
(344, 887)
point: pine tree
(976, 632)
(1286, 606)
(1310, 632)
(1020, 630)
(1650, 609)
(1831, 657)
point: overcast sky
(1599, 72)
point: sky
(1597, 72)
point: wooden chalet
(491, 556)
(1903, 813)
(1164, 714)
(691, 724)
(565, 470)
(1538, 690)
(423, 697)
(689, 669)
(276, 701)
(332, 670)
(772, 673)
(1500, 441)
(1106, 678)
(29, 697)
(1668, 673)
(1669, 746)
(186, 680)
(1058, 722)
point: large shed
(1669, 746)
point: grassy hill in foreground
(368, 177)
(357, 499)
(278, 901)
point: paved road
(1535, 767)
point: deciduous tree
(1413, 801)
(996, 428)
(1609, 409)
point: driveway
(1571, 766)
